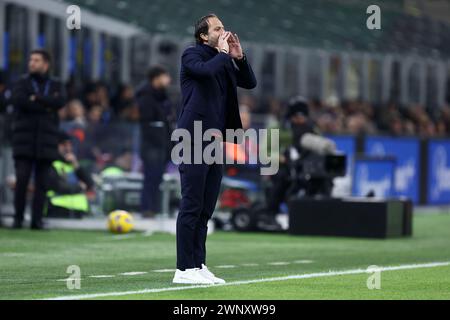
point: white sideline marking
(165, 270)
(237, 283)
(12, 254)
(123, 236)
(228, 266)
(135, 273)
(303, 261)
(249, 264)
(279, 263)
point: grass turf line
(31, 262)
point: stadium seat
(302, 24)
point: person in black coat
(210, 73)
(36, 98)
(154, 109)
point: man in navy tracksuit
(210, 74)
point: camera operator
(286, 180)
(69, 185)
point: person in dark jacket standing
(36, 99)
(154, 109)
(210, 74)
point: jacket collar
(208, 49)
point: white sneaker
(204, 271)
(190, 276)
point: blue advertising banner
(374, 175)
(438, 184)
(407, 153)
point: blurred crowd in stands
(355, 117)
(95, 104)
(95, 115)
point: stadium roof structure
(328, 24)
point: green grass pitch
(33, 265)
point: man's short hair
(202, 26)
(44, 54)
(297, 105)
(155, 72)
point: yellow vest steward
(78, 202)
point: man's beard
(38, 73)
(213, 42)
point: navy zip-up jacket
(203, 74)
